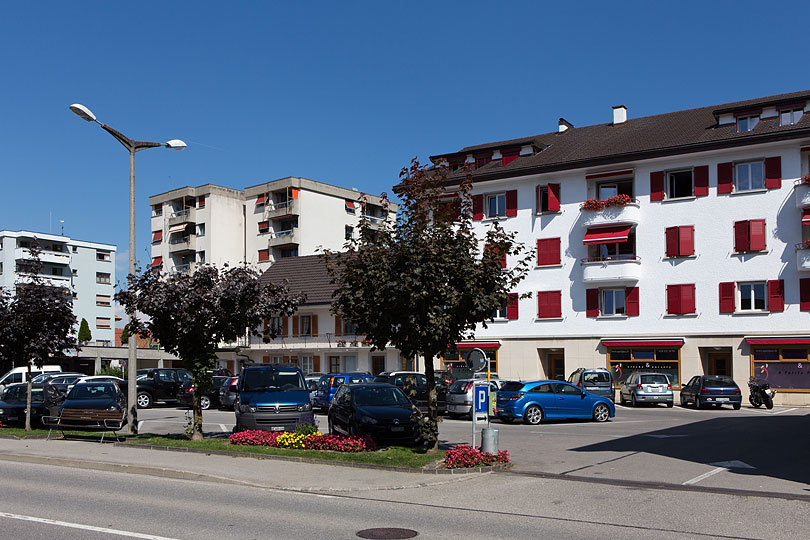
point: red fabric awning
(607, 235)
(157, 261)
(643, 343)
(157, 236)
(779, 341)
(806, 216)
(350, 204)
(478, 345)
(262, 198)
(177, 228)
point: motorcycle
(760, 393)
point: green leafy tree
(424, 283)
(125, 334)
(84, 331)
(37, 323)
(191, 313)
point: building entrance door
(719, 363)
(554, 366)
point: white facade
(87, 268)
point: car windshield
(719, 382)
(596, 377)
(380, 396)
(459, 387)
(512, 387)
(18, 394)
(654, 379)
(270, 380)
(92, 391)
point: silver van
(596, 381)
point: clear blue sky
(341, 92)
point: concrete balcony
(182, 244)
(802, 191)
(50, 257)
(186, 215)
(802, 258)
(47, 279)
(185, 268)
(623, 269)
(283, 238)
(281, 210)
(375, 222)
(612, 215)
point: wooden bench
(87, 420)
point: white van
(20, 374)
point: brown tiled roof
(306, 274)
(680, 132)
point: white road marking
(224, 428)
(140, 425)
(784, 411)
(84, 527)
(703, 476)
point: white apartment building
(260, 225)
(87, 268)
(676, 243)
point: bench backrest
(89, 414)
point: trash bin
(489, 440)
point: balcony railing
(629, 213)
(45, 256)
(282, 238)
(182, 244)
(186, 215)
(802, 191)
(281, 209)
(185, 268)
(616, 269)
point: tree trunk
(28, 401)
(196, 422)
(433, 412)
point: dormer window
(747, 123)
(790, 116)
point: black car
(381, 411)
(228, 392)
(208, 399)
(105, 396)
(714, 390)
(160, 384)
(414, 385)
(44, 401)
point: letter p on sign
(481, 398)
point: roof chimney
(563, 125)
(619, 114)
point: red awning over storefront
(779, 341)
(643, 343)
(607, 235)
(479, 345)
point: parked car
(272, 397)
(717, 390)
(228, 392)
(414, 384)
(44, 401)
(328, 385)
(20, 374)
(594, 380)
(460, 396)
(381, 411)
(208, 398)
(646, 387)
(105, 396)
(160, 384)
(121, 383)
(60, 381)
(536, 401)
(49, 375)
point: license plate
(277, 428)
(10, 418)
(721, 399)
(398, 428)
(654, 389)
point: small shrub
(592, 204)
(305, 428)
(465, 456)
(617, 200)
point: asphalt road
(45, 502)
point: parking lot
(719, 448)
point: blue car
(329, 384)
(534, 401)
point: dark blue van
(329, 384)
(272, 397)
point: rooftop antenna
(62, 223)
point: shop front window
(455, 362)
(623, 362)
(787, 368)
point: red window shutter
(157, 236)
(264, 255)
(316, 364)
(264, 226)
(554, 197)
(506, 160)
(338, 325)
(657, 186)
(804, 294)
(512, 306)
(727, 297)
(511, 203)
(285, 326)
(510, 155)
(478, 207)
(773, 172)
(548, 251)
(201, 201)
(674, 299)
(265, 359)
(741, 242)
(549, 304)
(756, 235)
(776, 295)
(725, 177)
(314, 326)
(592, 302)
(672, 241)
(538, 197)
(688, 298)
(295, 326)
(701, 176)
(631, 301)
(686, 240)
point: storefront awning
(607, 235)
(643, 342)
(806, 216)
(779, 341)
(478, 345)
(177, 228)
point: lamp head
(176, 144)
(83, 112)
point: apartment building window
(548, 252)
(496, 205)
(103, 300)
(264, 227)
(306, 363)
(549, 304)
(348, 328)
(261, 199)
(305, 322)
(75, 249)
(349, 232)
(789, 117)
(752, 296)
(615, 243)
(157, 237)
(612, 302)
(288, 252)
(680, 241)
(749, 235)
(201, 257)
(349, 206)
(103, 256)
(1, 244)
(102, 322)
(680, 184)
(548, 198)
(157, 210)
(1, 269)
(749, 176)
(605, 190)
(75, 295)
(201, 201)
(681, 299)
(264, 255)
(276, 325)
(102, 277)
(747, 123)
(57, 271)
(200, 229)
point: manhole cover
(387, 533)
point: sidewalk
(249, 471)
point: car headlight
(305, 407)
(2, 411)
(368, 420)
(247, 409)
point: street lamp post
(132, 146)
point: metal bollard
(489, 440)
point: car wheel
(737, 406)
(534, 415)
(683, 401)
(601, 413)
(331, 427)
(205, 403)
(633, 401)
(622, 401)
(698, 404)
(670, 404)
(144, 400)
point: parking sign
(482, 399)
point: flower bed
(465, 456)
(616, 200)
(300, 441)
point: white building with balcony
(86, 268)
(678, 243)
